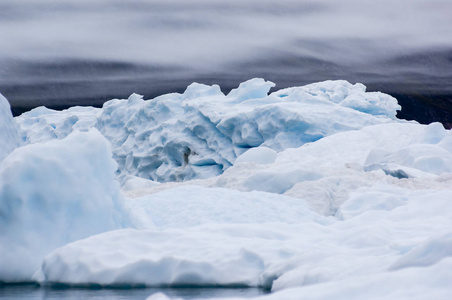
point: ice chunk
(344, 94)
(42, 124)
(196, 90)
(135, 99)
(134, 183)
(9, 137)
(131, 257)
(54, 193)
(375, 103)
(189, 206)
(192, 248)
(434, 133)
(252, 89)
(200, 133)
(164, 140)
(426, 158)
(377, 197)
(426, 254)
(258, 155)
(279, 182)
(334, 91)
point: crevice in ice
(400, 174)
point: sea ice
(200, 133)
(54, 193)
(374, 221)
(238, 245)
(313, 192)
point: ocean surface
(65, 53)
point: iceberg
(54, 193)
(316, 191)
(200, 133)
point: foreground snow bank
(54, 193)
(200, 133)
(197, 245)
(338, 223)
(190, 235)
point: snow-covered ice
(311, 192)
(258, 155)
(200, 133)
(43, 124)
(53, 193)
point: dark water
(30, 292)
